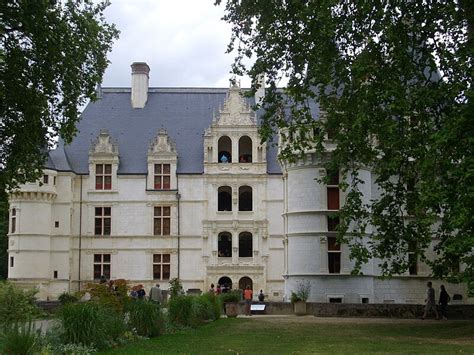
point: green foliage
(216, 304)
(175, 288)
(192, 311)
(113, 294)
(52, 56)
(66, 298)
(67, 349)
(179, 310)
(19, 338)
(3, 234)
(17, 305)
(145, 318)
(394, 83)
(231, 296)
(91, 324)
(303, 289)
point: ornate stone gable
(103, 145)
(162, 145)
(235, 111)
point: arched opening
(224, 198)
(225, 150)
(225, 283)
(245, 198)
(245, 245)
(244, 282)
(245, 150)
(224, 245)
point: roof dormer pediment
(235, 111)
(103, 145)
(162, 145)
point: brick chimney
(140, 77)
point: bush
(302, 292)
(90, 324)
(175, 289)
(17, 305)
(216, 304)
(113, 294)
(231, 296)
(201, 311)
(65, 298)
(145, 318)
(19, 338)
(179, 310)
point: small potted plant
(231, 302)
(299, 298)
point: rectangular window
(335, 300)
(333, 222)
(334, 256)
(334, 178)
(412, 259)
(101, 266)
(13, 221)
(103, 176)
(162, 177)
(161, 266)
(54, 180)
(103, 218)
(333, 198)
(45, 179)
(55, 274)
(162, 220)
(12, 261)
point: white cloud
(183, 42)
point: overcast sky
(183, 42)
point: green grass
(312, 335)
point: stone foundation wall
(465, 311)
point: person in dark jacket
(443, 302)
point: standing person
(211, 290)
(430, 301)
(155, 294)
(218, 290)
(248, 299)
(443, 302)
(141, 292)
(261, 296)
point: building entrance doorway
(244, 282)
(226, 284)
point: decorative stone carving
(162, 145)
(104, 145)
(235, 112)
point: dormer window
(103, 163)
(162, 161)
(225, 150)
(245, 150)
(162, 180)
(103, 176)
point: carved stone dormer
(162, 161)
(103, 163)
(231, 143)
(235, 111)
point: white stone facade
(72, 227)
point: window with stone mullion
(162, 177)
(103, 221)
(161, 266)
(162, 220)
(103, 176)
(101, 266)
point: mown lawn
(307, 335)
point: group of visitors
(431, 302)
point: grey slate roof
(184, 112)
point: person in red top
(248, 299)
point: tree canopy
(394, 84)
(52, 57)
